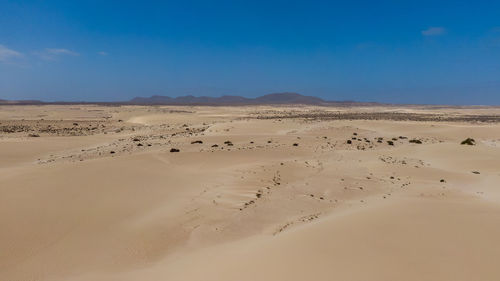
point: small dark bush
(295, 144)
(198, 141)
(390, 142)
(415, 141)
(468, 141)
(349, 141)
(174, 150)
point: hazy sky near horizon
(433, 52)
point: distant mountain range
(7, 102)
(275, 98)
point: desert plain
(107, 192)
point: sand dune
(254, 193)
(419, 239)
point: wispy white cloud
(53, 53)
(102, 53)
(434, 31)
(61, 52)
(7, 54)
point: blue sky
(432, 52)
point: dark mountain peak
(288, 98)
(282, 95)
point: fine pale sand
(93, 192)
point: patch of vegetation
(468, 141)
